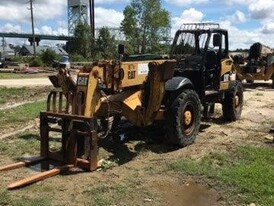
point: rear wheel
(183, 118)
(233, 102)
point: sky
(247, 21)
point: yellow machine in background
(259, 64)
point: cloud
(238, 38)
(244, 38)
(109, 1)
(262, 9)
(238, 2)
(11, 28)
(18, 10)
(268, 28)
(47, 30)
(238, 17)
(185, 2)
(188, 16)
(107, 17)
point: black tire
(272, 85)
(233, 102)
(183, 118)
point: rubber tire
(231, 112)
(175, 132)
(272, 85)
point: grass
(20, 76)
(118, 193)
(247, 173)
(106, 194)
(26, 201)
(21, 114)
(24, 144)
(11, 93)
(16, 147)
(6, 199)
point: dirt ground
(141, 163)
(43, 81)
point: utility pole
(32, 25)
(91, 12)
(3, 56)
(92, 26)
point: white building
(6, 52)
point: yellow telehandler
(144, 89)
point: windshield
(189, 43)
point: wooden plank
(38, 177)
(44, 136)
(82, 163)
(93, 156)
(12, 166)
(21, 164)
(71, 149)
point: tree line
(146, 27)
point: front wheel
(183, 118)
(233, 102)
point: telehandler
(144, 89)
(259, 65)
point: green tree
(35, 62)
(145, 25)
(77, 58)
(105, 45)
(49, 56)
(82, 42)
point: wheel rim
(237, 102)
(187, 119)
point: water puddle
(186, 194)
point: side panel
(226, 66)
(226, 73)
(134, 73)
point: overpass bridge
(38, 37)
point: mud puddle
(190, 193)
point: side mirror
(121, 49)
(217, 40)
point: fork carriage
(78, 140)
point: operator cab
(199, 50)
